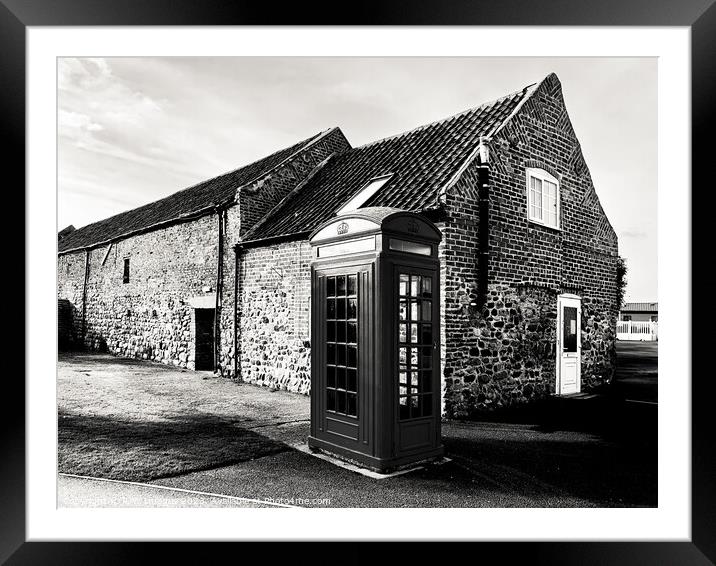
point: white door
(569, 347)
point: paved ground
(637, 371)
(582, 452)
(93, 492)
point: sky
(133, 130)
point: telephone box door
(341, 398)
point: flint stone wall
(151, 316)
(273, 316)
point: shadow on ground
(117, 448)
(601, 449)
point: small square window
(542, 198)
(125, 277)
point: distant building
(639, 321)
(639, 312)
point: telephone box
(375, 338)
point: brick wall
(257, 199)
(500, 349)
(273, 316)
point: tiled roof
(185, 203)
(640, 307)
(422, 161)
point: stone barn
(217, 276)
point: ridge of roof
(309, 140)
(83, 241)
(423, 159)
(459, 114)
(291, 194)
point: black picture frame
(698, 15)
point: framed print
(427, 306)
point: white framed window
(542, 198)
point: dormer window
(542, 198)
(362, 196)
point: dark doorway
(204, 355)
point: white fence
(644, 331)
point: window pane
(340, 308)
(331, 376)
(402, 332)
(403, 287)
(569, 329)
(403, 377)
(352, 332)
(535, 198)
(331, 400)
(352, 376)
(410, 247)
(331, 354)
(413, 356)
(352, 284)
(414, 310)
(331, 331)
(427, 334)
(427, 308)
(352, 408)
(550, 189)
(414, 285)
(331, 309)
(341, 285)
(403, 390)
(414, 333)
(340, 378)
(426, 357)
(403, 355)
(331, 287)
(427, 287)
(341, 355)
(352, 308)
(403, 310)
(352, 356)
(340, 331)
(340, 402)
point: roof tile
(422, 161)
(180, 204)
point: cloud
(74, 125)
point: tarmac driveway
(637, 371)
(545, 459)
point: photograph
(357, 282)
